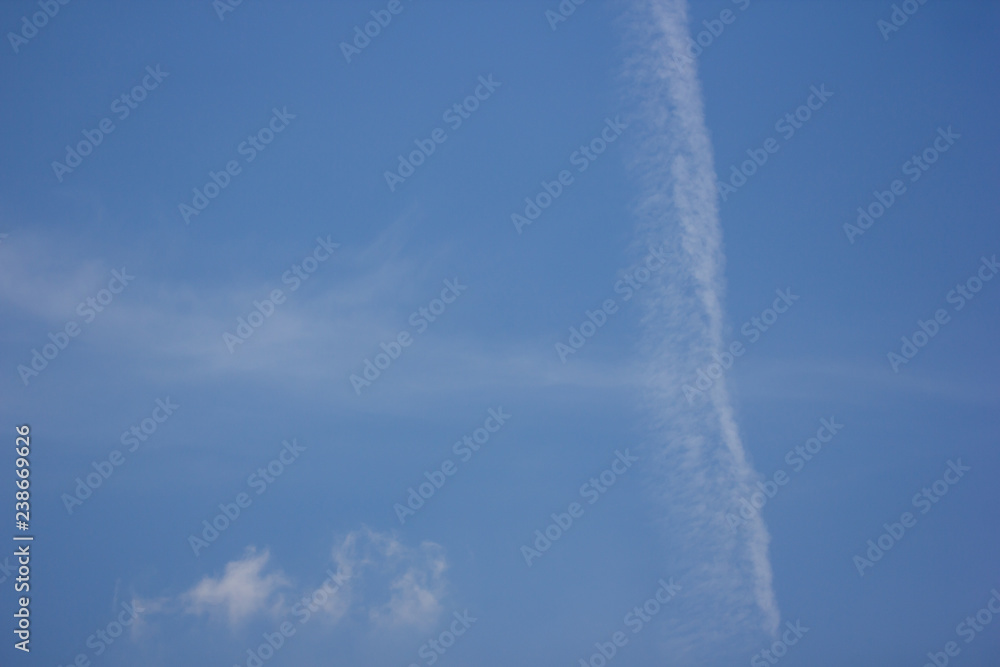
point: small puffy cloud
(416, 595)
(242, 591)
(376, 579)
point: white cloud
(168, 331)
(39, 276)
(416, 592)
(699, 463)
(413, 579)
(242, 591)
(385, 582)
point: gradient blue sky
(495, 345)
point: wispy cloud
(241, 592)
(700, 464)
(377, 579)
(404, 585)
(314, 340)
(38, 278)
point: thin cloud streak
(699, 465)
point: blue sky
(314, 201)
